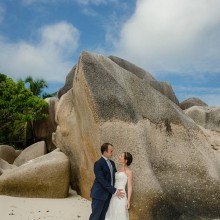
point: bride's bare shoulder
(129, 172)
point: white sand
(72, 208)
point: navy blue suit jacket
(102, 187)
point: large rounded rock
(4, 165)
(43, 129)
(207, 117)
(46, 177)
(175, 169)
(192, 102)
(7, 153)
(139, 72)
(166, 89)
(35, 150)
(68, 83)
(163, 87)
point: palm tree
(36, 86)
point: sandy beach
(74, 207)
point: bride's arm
(129, 187)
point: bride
(118, 208)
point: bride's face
(122, 158)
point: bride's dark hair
(128, 157)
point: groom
(103, 186)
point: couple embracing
(109, 198)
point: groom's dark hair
(104, 147)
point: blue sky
(176, 41)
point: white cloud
(173, 35)
(49, 59)
(61, 37)
(89, 12)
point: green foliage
(36, 86)
(47, 95)
(19, 107)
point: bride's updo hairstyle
(128, 157)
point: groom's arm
(100, 176)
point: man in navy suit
(103, 186)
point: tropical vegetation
(19, 108)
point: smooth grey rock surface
(192, 102)
(207, 117)
(43, 129)
(7, 153)
(163, 87)
(45, 177)
(4, 165)
(68, 83)
(35, 150)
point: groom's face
(109, 152)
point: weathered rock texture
(207, 117)
(35, 150)
(176, 171)
(43, 129)
(139, 72)
(68, 83)
(192, 102)
(4, 165)
(191, 217)
(46, 177)
(166, 89)
(163, 87)
(18, 152)
(7, 153)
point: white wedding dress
(117, 208)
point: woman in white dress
(118, 208)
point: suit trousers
(99, 208)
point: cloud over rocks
(172, 35)
(46, 59)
